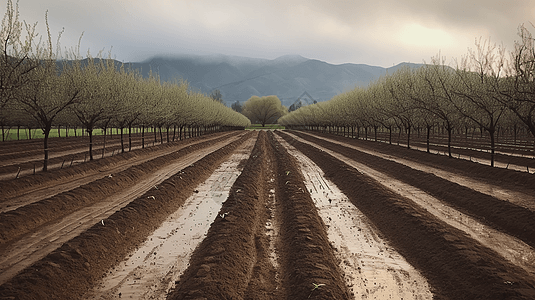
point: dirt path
(37, 244)
(37, 192)
(517, 197)
(151, 271)
(372, 268)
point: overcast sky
(374, 32)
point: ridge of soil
(221, 266)
(456, 266)
(311, 271)
(15, 223)
(96, 250)
(11, 187)
(498, 176)
(232, 262)
(515, 220)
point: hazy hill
(239, 78)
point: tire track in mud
(372, 268)
(69, 271)
(34, 245)
(151, 271)
(235, 261)
(456, 266)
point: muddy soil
(96, 250)
(297, 217)
(151, 271)
(371, 267)
(455, 265)
(23, 191)
(520, 158)
(20, 221)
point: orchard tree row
(42, 86)
(488, 89)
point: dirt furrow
(29, 249)
(504, 216)
(510, 248)
(47, 183)
(236, 261)
(27, 218)
(69, 271)
(26, 195)
(151, 271)
(372, 268)
(456, 266)
(507, 179)
(222, 265)
(517, 197)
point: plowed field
(269, 215)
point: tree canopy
(264, 110)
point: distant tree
(295, 106)
(216, 95)
(265, 110)
(236, 106)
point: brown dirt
(271, 240)
(456, 266)
(22, 186)
(515, 220)
(94, 251)
(15, 223)
(233, 261)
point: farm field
(266, 215)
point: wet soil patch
(310, 269)
(514, 180)
(515, 220)
(12, 187)
(15, 223)
(456, 266)
(69, 271)
(234, 252)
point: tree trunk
(408, 129)
(492, 145)
(122, 140)
(104, 143)
(46, 132)
(90, 134)
(449, 129)
(142, 136)
(428, 138)
(129, 138)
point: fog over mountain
(239, 78)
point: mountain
(239, 78)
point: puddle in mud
(151, 271)
(511, 248)
(372, 269)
